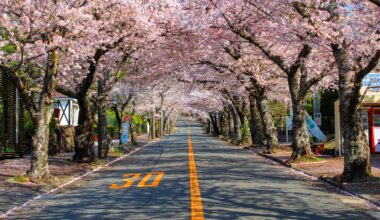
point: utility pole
(153, 126)
(162, 124)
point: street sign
(127, 118)
(289, 123)
(124, 138)
(124, 135)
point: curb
(332, 184)
(9, 212)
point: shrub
(52, 126)
(29, 126)
(245, 133)
(20, 178)
(111, 131)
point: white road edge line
(9, 212)
(310, 177)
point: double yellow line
(195, 193)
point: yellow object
(195, 193)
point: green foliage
(96, 132)
(137, 119)
(245, 133)
(310, 159)
(9, 48)
(1, 116)
(29, 125)
(328, 98)
(20, 178)
(111, 131)
(138, 129)
(330, 144)
(52, 125)
(310, 105)
(122, 74)
(279, 112)
(116, 151)
(145, 119)
(4, 33)
(98, 163)
(111, 118)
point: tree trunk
(301, 141)
(39, 171)
(157, 127)
(166, 125)
(161, 123)
(84, 144)
(256, 125)
(236, 125)
(118, 121)
(208, 126)
(243, 120)
(241, 108)
(102, 121)
(132, 128)
(222, 123)
(270, 131)
(357, 163)
(214, 122)
(65, 139)
(230, 124)
(298, 92)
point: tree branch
(87, 82)
(24, 91)
(303, 54)
(66, 91)
(376, 2)
(374, 61)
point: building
(12, 135)
(369, 113)
(66, 110)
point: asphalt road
(225, 183)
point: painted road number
(130, 178)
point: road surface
(190, 175)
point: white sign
(312, 127)
(289, 123)
(318, 119)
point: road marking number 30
(130, 178)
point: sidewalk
(14, 194)
(330, 167)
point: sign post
(124, 135)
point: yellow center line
(195, 193)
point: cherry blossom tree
(350, 29)
(31, 37)
(271, 27)
(113, 30)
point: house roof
(59, 95)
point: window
(376, 120)
(1, 117)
